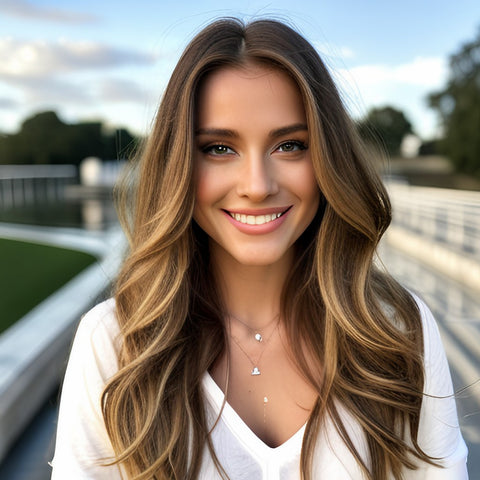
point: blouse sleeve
(82, 443)
(439, 433)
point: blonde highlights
(361, 328)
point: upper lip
(258, 211)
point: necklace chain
(255, 364)
(256, 331)
(259, 338)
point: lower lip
(257, 229)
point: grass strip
(29, 273)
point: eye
(218, 150)
(291, 146)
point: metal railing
(25, 184)
(443, 216)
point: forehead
(252, 89)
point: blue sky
(110, 60)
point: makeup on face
(255, 188)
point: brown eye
(218, 150)
(291, 146)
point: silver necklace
(257, 335)
(255, 364)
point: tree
(36, 141)
(120, 144)
(45, 139)
(459, 108)
(385, 126)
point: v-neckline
(243, 432)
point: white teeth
(255, 219)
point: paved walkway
(28, 459)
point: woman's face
(255, 187)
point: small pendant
(258, 337)
(255, 371)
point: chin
(260, 259)
(253, 262)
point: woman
(251, 336)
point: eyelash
(209, 149)
(295, 143)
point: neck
(251, 293)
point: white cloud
(347, 52)
(404, 86)
(424, 72)
(333, 52)
(83, 92)
(121, 90)
(52, 90)
(70, 76)
(27, 10)
(8, 103)
(40, 58)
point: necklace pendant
(258, 337)
(255, 371)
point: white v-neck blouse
(82, 442)
(240, 450)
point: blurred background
(79, 86)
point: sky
(109, 61)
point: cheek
(314, 191)
(203, 185)
(201, 191)
(210, 187)
(304, 184)
(312, 199)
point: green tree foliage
(385, 126)
(119, 144)
(459, 108)
(45, 139)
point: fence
(441, 227)
(25, 184)
(443, 216)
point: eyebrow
(297, 127)
(277, 132)
(217, 132)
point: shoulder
(433, 350)
(82, 443)
(429, 325)
(100, 323)
(439, 432)
(101, 319)
(437, 372)
(98, 340)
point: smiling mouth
(256, 219)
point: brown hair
(360, 326)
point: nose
(257, 178)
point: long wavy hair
(362, 329)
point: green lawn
(29, 273)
